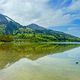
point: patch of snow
(8, 19)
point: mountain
(32, 32)
(51, 34)
(36, 27)
(71, 29)
(8, 24)
(41, 29)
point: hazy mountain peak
(36, 27)
(10, 24)
(5, 19)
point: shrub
(6, 38)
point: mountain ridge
(11, 27)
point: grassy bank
(36, 38)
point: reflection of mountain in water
(10, 53)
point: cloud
(75, 5)
(56, 19)
(42, 12)
(24, 11)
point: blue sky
(61, 15)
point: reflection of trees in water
(10, 53)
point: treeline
(30, 35)
(36, 38)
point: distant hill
(55, 35)
(32, 32)
(36, 27)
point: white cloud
(56, 19)
(34, 11)
(24, 11)
(75, 5)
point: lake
(20, 61)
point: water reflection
(10, 53)
(39, 62)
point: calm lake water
(39, 61)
